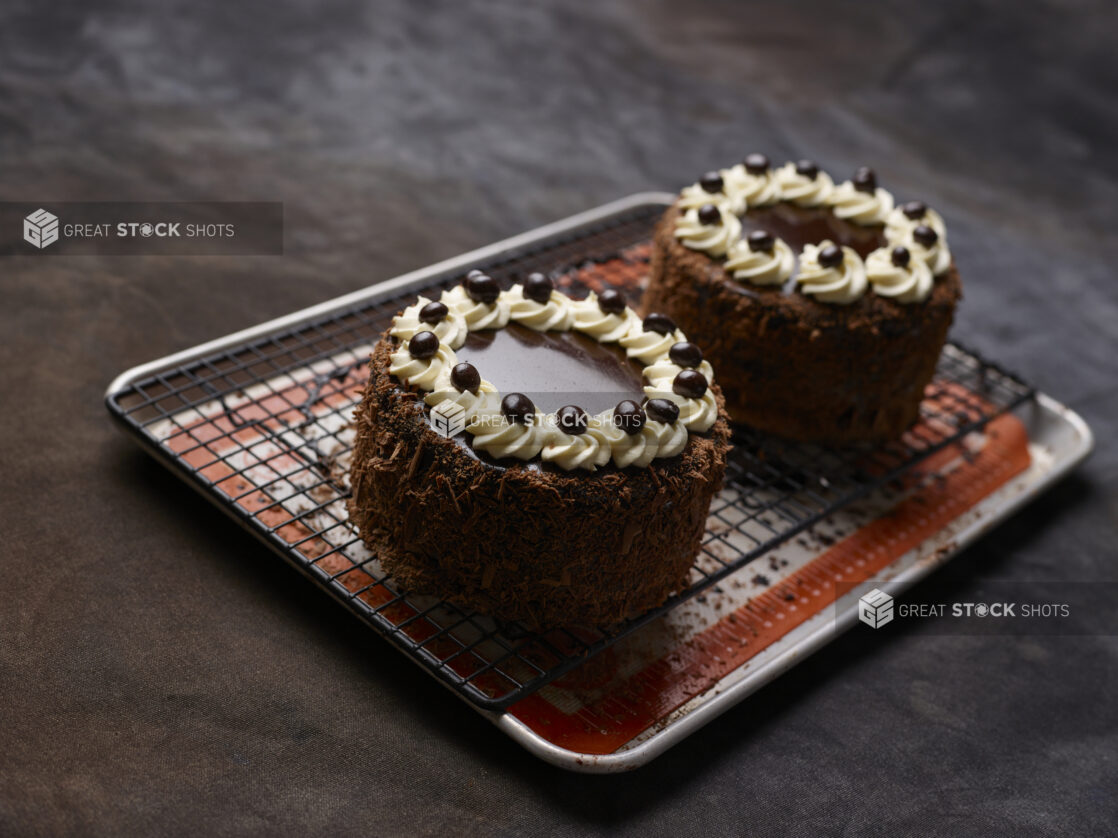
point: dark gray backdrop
(152, 683)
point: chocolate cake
(537, 458)
(822, 307)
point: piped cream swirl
(802, 190)
(937, 257)
(694, 197)
(911, 283)
(864, 208)
(714, 239)
(589, 450)
(754, 190)
(451, 330)
(498, 436)
(845, 283)
(841, 284)
(444, 391)
(646, 345)
(556, 315)
(477, 315)
(654, 440)
(662, 372)
(758, 266)
(898, 226)
(600, 325)
(421, 372)
(694, 414)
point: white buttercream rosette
(710, 223)
(682, 382)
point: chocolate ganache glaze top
(554, 368)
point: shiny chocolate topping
(629, 416)
(538, 288)
(433, 313)
(659, 323)
(830, 256)
(572, 419)
(756, 164)
(808, 169)
(709, 214)
(465, 377)
(611, 301)
(914, 209)
(711, 182)
(925, 235)
(423, 345)
(554, 368)
(686, 354)
(662, 410)
(691, 384)
(798, 226)
(865, 180)
(481, 288)
(761, 241)
(518, 408)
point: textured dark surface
(152, 684)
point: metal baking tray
(1058, 439)
(256, 421)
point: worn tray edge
(1055, 418)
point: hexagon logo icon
(448, 418)
(875, 609)
(40, 229)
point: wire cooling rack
(263, 428)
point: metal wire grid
(263, 429)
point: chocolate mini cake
(823, 307)
(537, 458)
